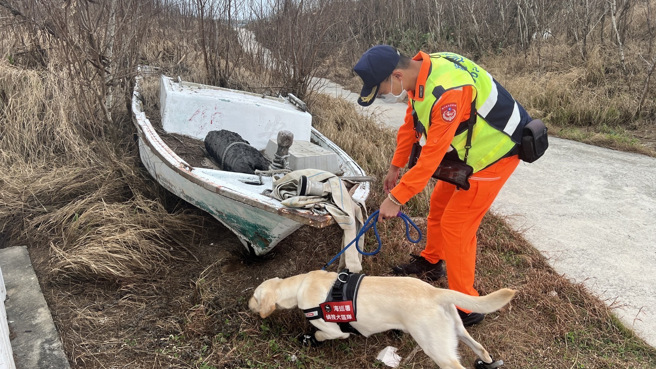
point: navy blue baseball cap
(375, 65)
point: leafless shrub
(94, 42)
(219, 41)
(300, 36)
(98, 45)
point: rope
(280, 162)
(226, 150)
(271, 172)
(371, 223)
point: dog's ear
(287, 291)
(268, 298)
(267, 304)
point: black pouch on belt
(534, 141)
(451, 168)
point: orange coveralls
(454, 215)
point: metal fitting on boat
(307, 187)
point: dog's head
(274, 293)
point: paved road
(390, 115)
(591, 211)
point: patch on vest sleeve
(338, 311)
(449, 112)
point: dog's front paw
(480, 364)
(308, 340)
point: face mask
(390, 98)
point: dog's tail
(480, 304)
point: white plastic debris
(389, 357)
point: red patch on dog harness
(449, 112)
(338, 311)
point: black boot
(308, 340)
(470, 319)
(422, 268)
(480, 364)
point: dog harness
(340, 305)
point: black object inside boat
(232, 153)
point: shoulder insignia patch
(449, 112)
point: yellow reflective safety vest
(499, 121)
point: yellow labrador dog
(383, 303)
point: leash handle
(371, 223)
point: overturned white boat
(238, 200)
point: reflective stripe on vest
(500, 119)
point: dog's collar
(340, 306)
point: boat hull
(236, 200)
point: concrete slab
(592, 212)
(6, 352)
(36, 343)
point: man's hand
(388, 209)
(391, 178)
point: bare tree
(435, 12)
(472, 12)
(301, 35)
(218, 39)
(522, 27)
(613, 16)
(96, 43)
(650, 59)
(579, 17)
(456, 27)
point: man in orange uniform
(441, 90)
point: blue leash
(368, 224)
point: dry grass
(581, 100)
(32, 119)
(81, 197)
